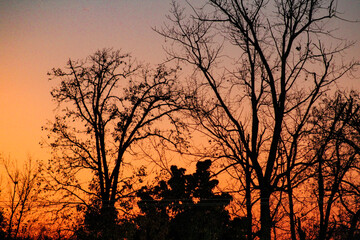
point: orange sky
(38, 35)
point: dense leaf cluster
(185, 207)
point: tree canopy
(258, 110)
(187, 207)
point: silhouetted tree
(2, 225)
(186, 207)
(256, 110)
(336, 150)
(107, 104)
(24, 186)
(94, 222)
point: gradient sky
(38, 35)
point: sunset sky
(38, 35)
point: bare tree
(21, 197)
(336, 150)
(108, 104)
(257, 110)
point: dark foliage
(99, 223)
(186, 207)
(2, 225)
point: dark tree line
(186, 207)
(263, 96)
(182, 207)
(190, 206)
(258, 110)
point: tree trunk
(265, 217)
(291, 209)
(322, 230)
(108, 220)
(354, 221)
(248, 201)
